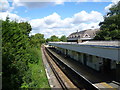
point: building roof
(104, 49)
(89, 33)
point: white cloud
(18, 3)
(51, 19)
(3, 16)
(54, 25)
(83, 16)
(37, 23)
(60, 1)
(115, 1)
(92, 0)
(4, 5)
(36, 4)
(57, 26)
(110, 5)
(43, 3)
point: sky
(57, 17)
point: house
(85, 35)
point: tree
(110, 27)
(37, 39)
(63, 38)
(14, 53)
(25, 27)
(53, 39)
(48, 39)
(19, 51)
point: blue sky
(57, 18)
(65, 10)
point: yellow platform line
(106, 85)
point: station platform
(99, 79)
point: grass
(36, 77)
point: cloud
(51, 19)
(83, 16)
(42, 3)
(60, 1)
(54, 25)
(36, 3)
(92, 0)
(115, 1)
(3, 16)
(4, 5)
(110, 5)
(18, 3)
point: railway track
(65, 85)
(78, 80)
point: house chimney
(77, 31)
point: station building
(103, 56)
(85, 35)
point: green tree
(48, 39)
(63, 38)
(37, 39)
(25, 27)
(19, 52)
(53, 39)
(110, 27)
(14, 55)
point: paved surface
(109, 86)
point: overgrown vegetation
(21, 57)
(110, 27)
(35, 77)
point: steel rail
(54, 71)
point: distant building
(85, 35)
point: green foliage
(26, 27)
(53, 39)
(37, 39)
(63, 38)
(56, 39)
(35, 77)
(14, 53)
(19, 55)
(110, 27)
